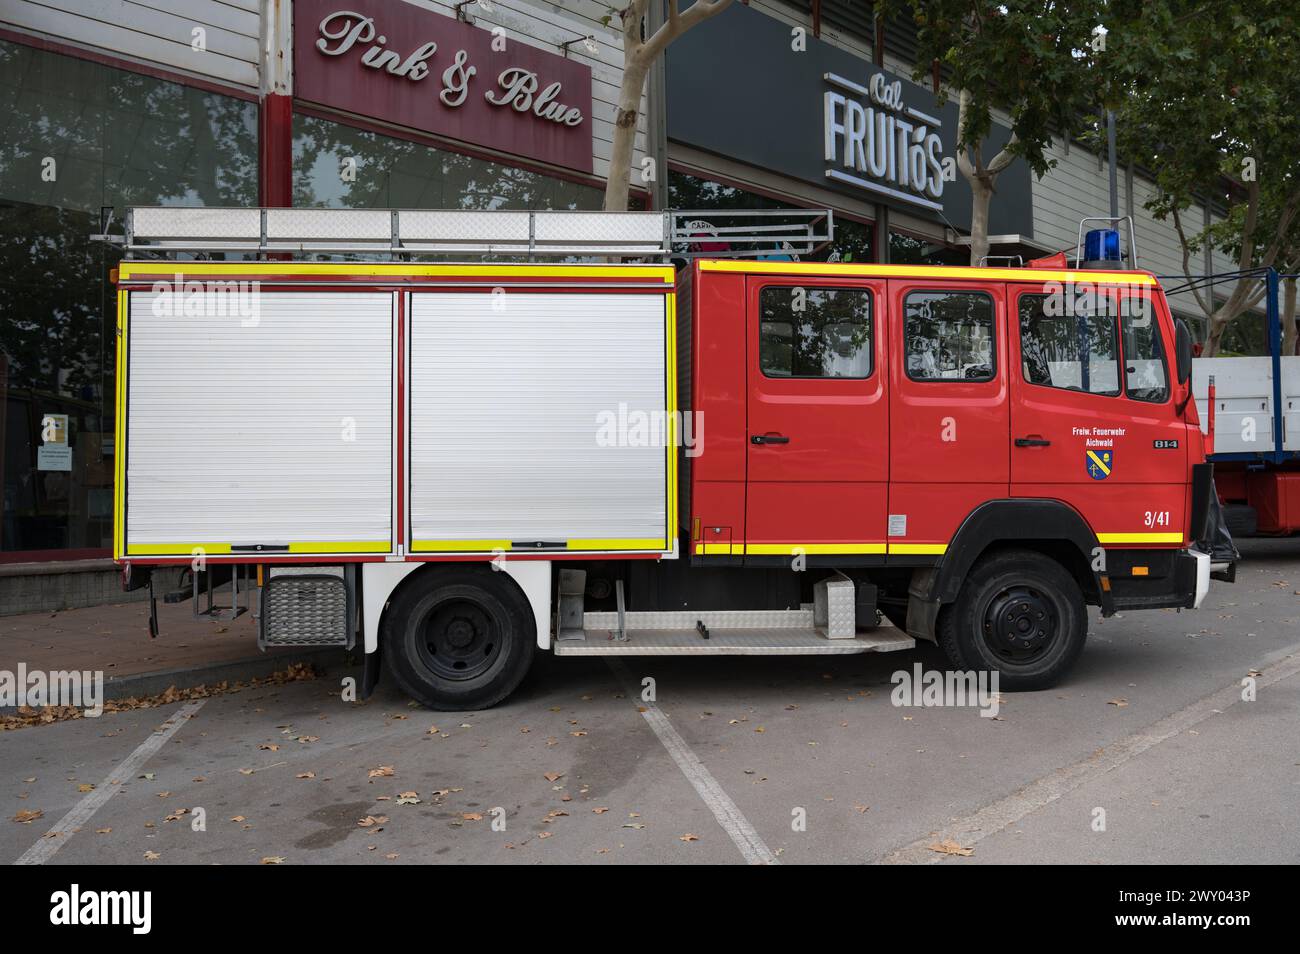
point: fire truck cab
(990, 448)
(457, 465)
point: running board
(721, 633)
(731, 642)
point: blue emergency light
(1102, 245)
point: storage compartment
(539, 421)
(258, 422)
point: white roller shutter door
(271, 429)
(537, 420)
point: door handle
(769, 439)
(1032, 442)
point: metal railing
(407, 233)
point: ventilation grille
(305, 611)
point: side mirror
(1183, 347)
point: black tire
(457, 639)
(1019, 613)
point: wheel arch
(1050, 527)
(380, 582)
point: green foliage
(1207, 91)
(1033, 60)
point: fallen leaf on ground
(1118, 703)
(151, 856)
(27, 816)
(950, 847)
(273, 860)
(553, 776)
(384, 771)
(688, 837)
(371, 820)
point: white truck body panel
(1243, 414)
(379, 580)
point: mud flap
(1217, 542)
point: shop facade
(436, 104)
(315, 103)
(811, 103)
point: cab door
(948, 409)
(1093, 422)
(818, 419)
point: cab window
(1145, 375)
(814, 332)
(948, 335)
(1064, 346)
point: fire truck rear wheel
(1020, 614)
(459, 639)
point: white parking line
(724, 810)
(991, 819)
(82, 812)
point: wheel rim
(459, 639)
(1021, 625)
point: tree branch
(678, 23)
(1187, 268)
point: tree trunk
(620, 160)
(1214, 336)
(981, 194)
(1289, 333)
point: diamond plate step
(714, 619)
(732, 642)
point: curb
(238, 670)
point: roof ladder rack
(405, 233)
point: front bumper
(1158, 579)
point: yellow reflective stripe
(306, 546)
(719, 549)
(789, 549)
(119, 433)
(670, 310)
(460, 546)
(1140, 537)
(128, 270)
(177, 549)
(618, 543)
(917, 549)
(343, 546)
(951, 272)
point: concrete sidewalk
(115, 639)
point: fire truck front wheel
(459, 639)
(1020, 614)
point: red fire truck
(462, 464)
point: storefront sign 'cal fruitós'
(397, 63)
